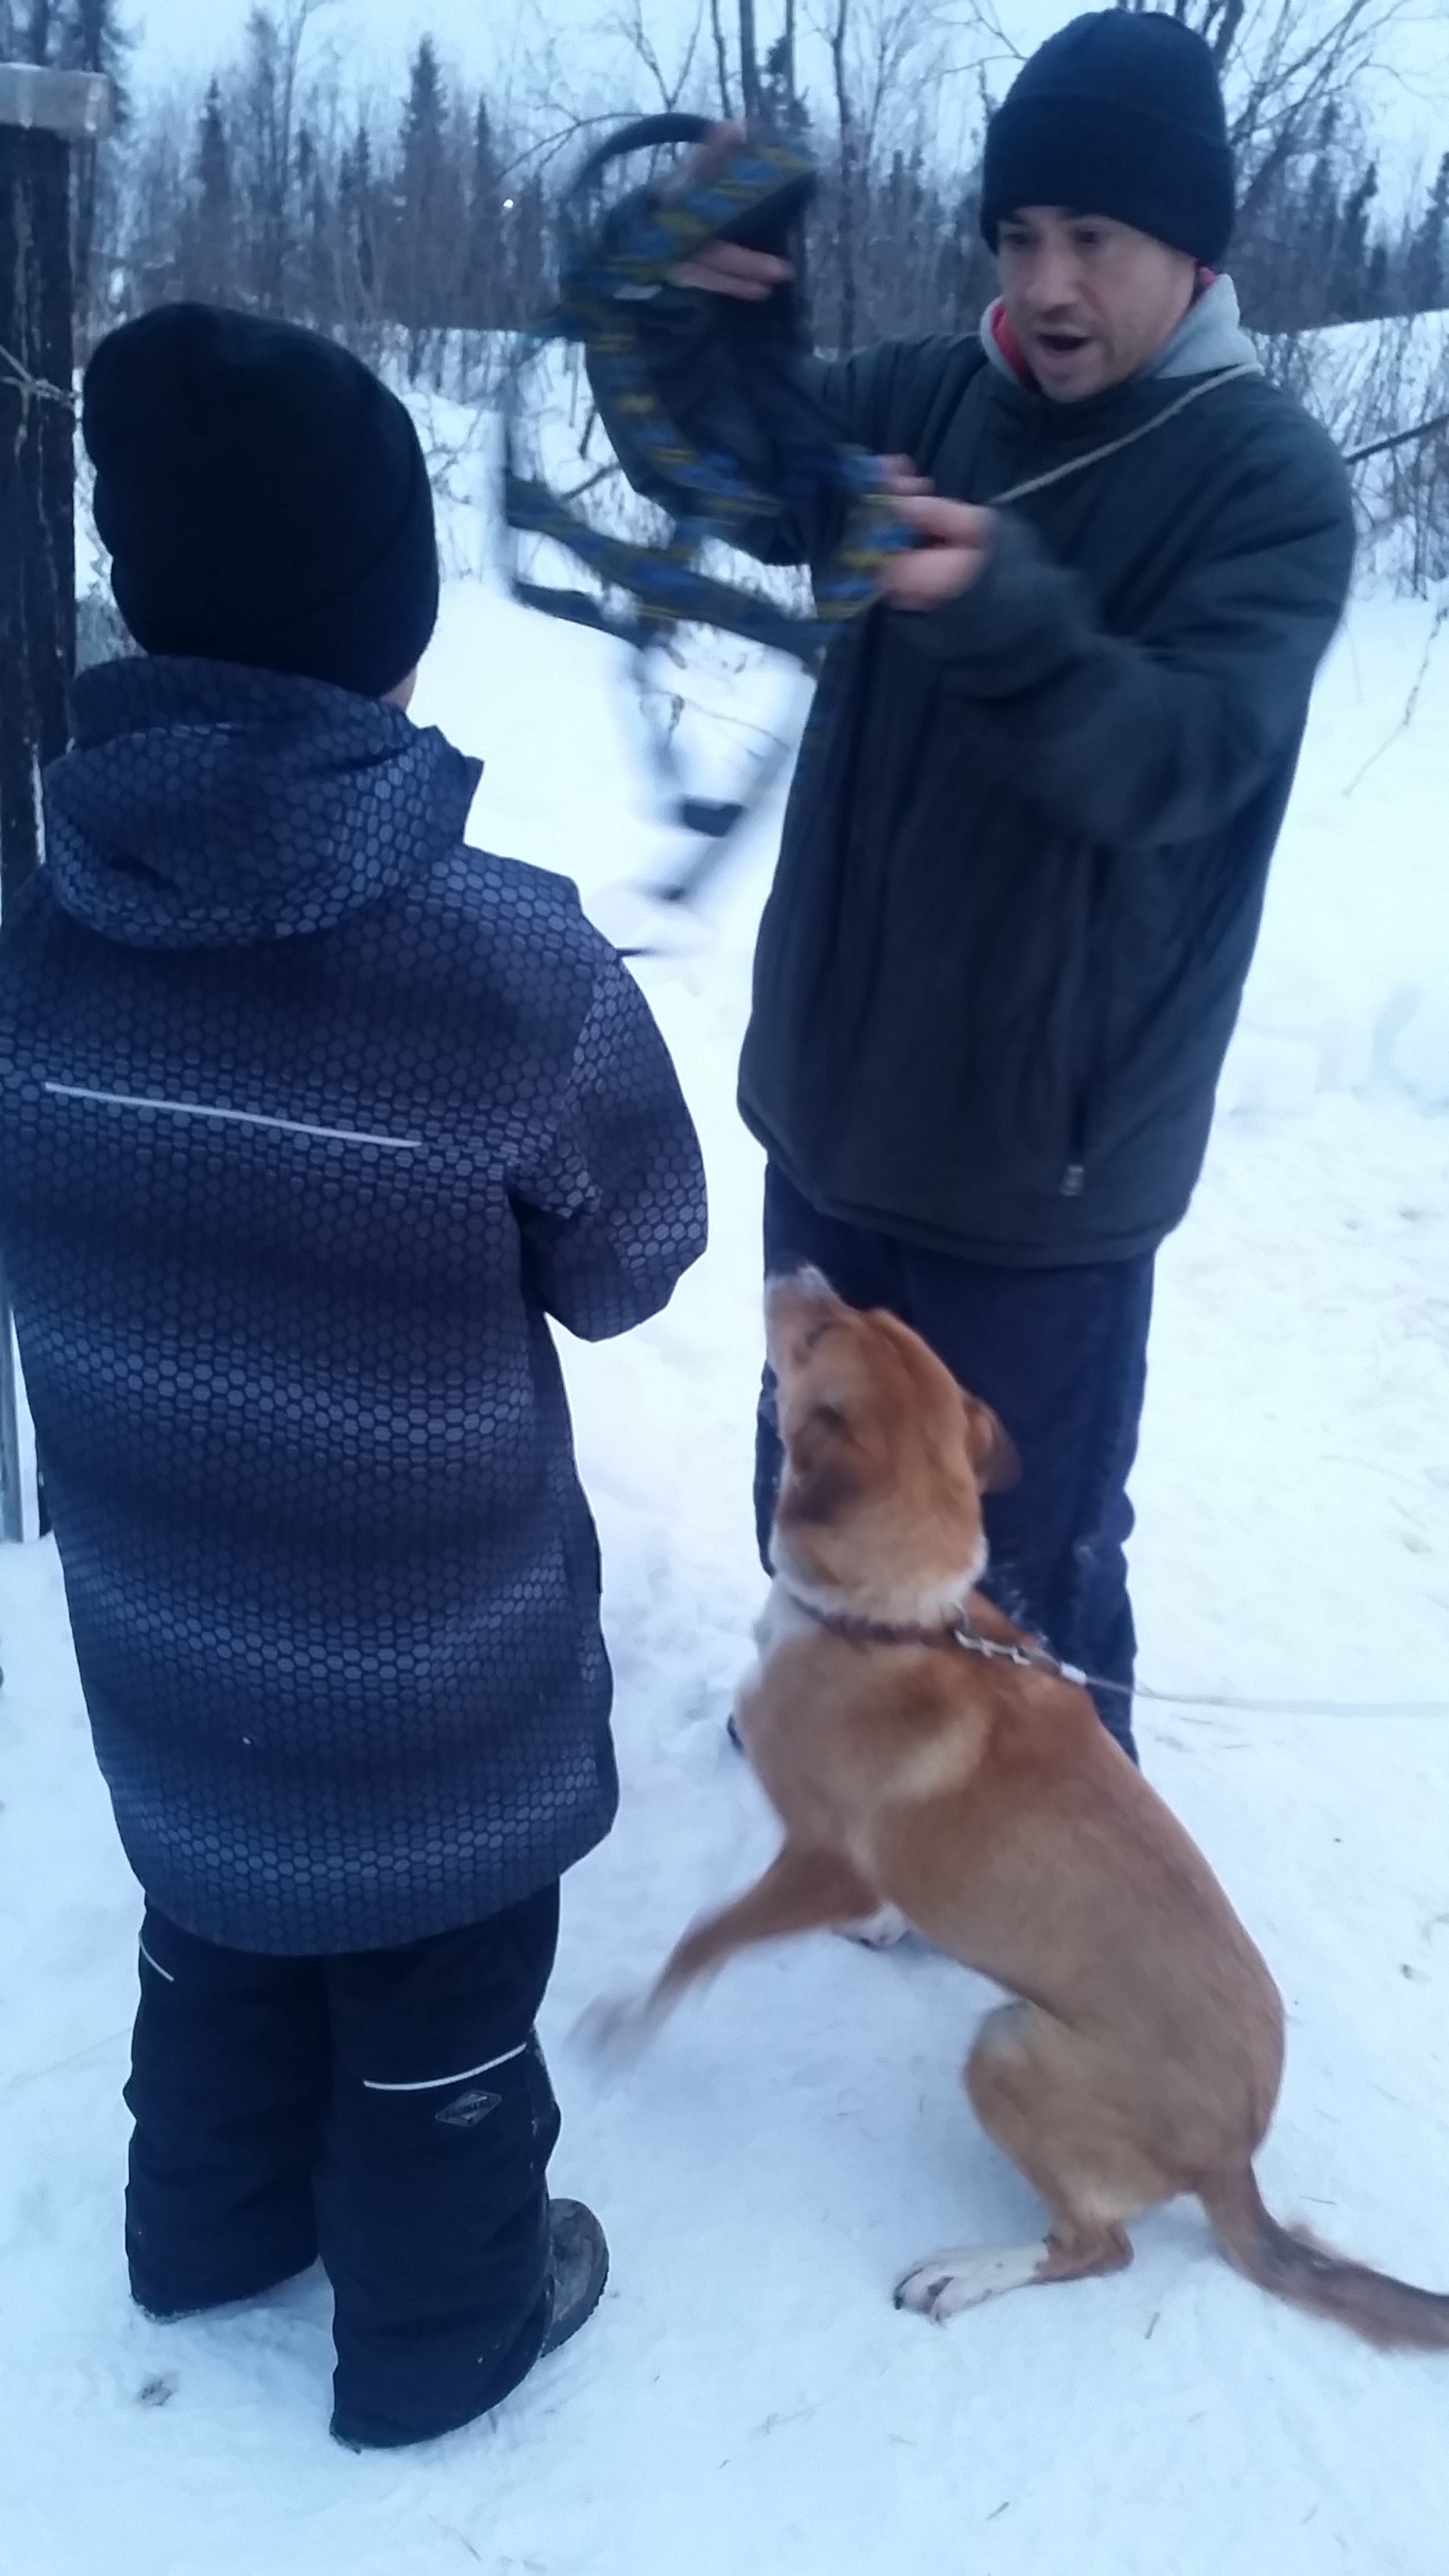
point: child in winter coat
(310, 1117)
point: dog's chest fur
(848, 1763)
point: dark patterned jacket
(310, 1116)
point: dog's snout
(799, 1306)
(805, 1286)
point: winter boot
(580, 2258)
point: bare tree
(751, 87)
(838, 37)
(721, 56)
(1219, 21)
(631, 25)
(884, 58)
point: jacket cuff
(1012, 624)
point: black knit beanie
(1118, 115)
(263, 496)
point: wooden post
(42, 112)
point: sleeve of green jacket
(1162, 736)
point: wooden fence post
(42, 113)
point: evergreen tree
(40, 32)
(1318, 228)
(209, 227)
(356, 224)
(1350, 271)
(481, 296)
(425, 223)
(263, 155)
(319, 279)
(1426, 277)
(784, 108)
(1377, 294)
(89, 37)
(270, 191)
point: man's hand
(954, 540)
(724, 268)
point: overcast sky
(1410, 109)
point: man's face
(1091, 301)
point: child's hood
(207, 805)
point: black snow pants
(388, 2110)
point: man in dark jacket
(310, 1117)
(1025, 854)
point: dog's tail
(1292, 2265)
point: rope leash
(1437, 1708)
(1114, 446)
(1224, 1702)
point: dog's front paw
(965, 2276)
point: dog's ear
(990, 1448)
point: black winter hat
(264, 498)
(1118, 115)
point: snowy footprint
(967, 2275)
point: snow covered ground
(747, 2397)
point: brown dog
(986, 1801)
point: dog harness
(609, 271)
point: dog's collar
(957, 1633)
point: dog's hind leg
(1034, 2095)
(967, 2275)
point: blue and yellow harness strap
(607, 274)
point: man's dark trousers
(1060, 1355)
(388, 2110)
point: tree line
(279, 186)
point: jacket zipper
(1074, 1178)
